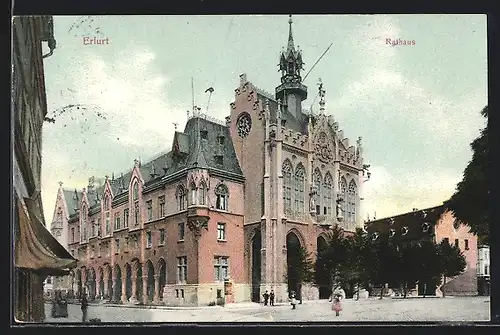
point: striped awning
(35, 247)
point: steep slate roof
(298, 124)
(202, 152)
(71, 202)
(412, 220)
(189, 150)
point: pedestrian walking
(266, 297)
(293, 301)
(85, 306)
(337, 305)
(271, 298)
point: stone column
(144, 289)
(134, 287)
(156, 298)
(84, 282)
(124, 287)
(98, 287)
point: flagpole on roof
(210, 90)
(192, 95)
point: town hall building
(218, 216)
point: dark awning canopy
(35, 247)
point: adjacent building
(217, 215)
(36, 253)
(436, 224)
(483, 270)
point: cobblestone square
(452, 309)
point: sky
(416, 107)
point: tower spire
(291, 91)
(291, 46)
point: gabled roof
(413, 221)
(72, 200)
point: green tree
(300, 268)
(361, 262)
(471, 201)
(428, 264)
(386, 270)
(329, 260)
(407, 269)
(451, 261)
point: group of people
(336, 298)
(268, 297)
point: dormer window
(222, 195)
(204, 134)
(219, 160)
(83, 228)
(136, 191)
(136, 213)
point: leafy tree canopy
(471, 201)
(452, 260)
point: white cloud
(131, 93)
(392, 102)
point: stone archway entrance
(109, 283)
(324, 285)
(162, 273)
(150, 289)
(117, 292)
(92, 284)
(128, 282)
(78, 282)
(256, 265)
(101, 282)
(138, 282)
(293, 259)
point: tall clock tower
(291, 92)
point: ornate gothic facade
(218, 215)
(302, 175)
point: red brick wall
(250, 151)
(466, 283)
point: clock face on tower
(244, 124)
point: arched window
(107, 215)
(286, 169)
(327, 189)
(222, 195)
(59, 215)
(299, 188)
(135, 191)
(180, 194)
(343, 195)
(352, 201)
(192, 197)
(318, 180)
(202, 193)
(83, 228)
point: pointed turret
(291, 91)
(290, 47)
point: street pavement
(451, 309)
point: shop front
(37, 254)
